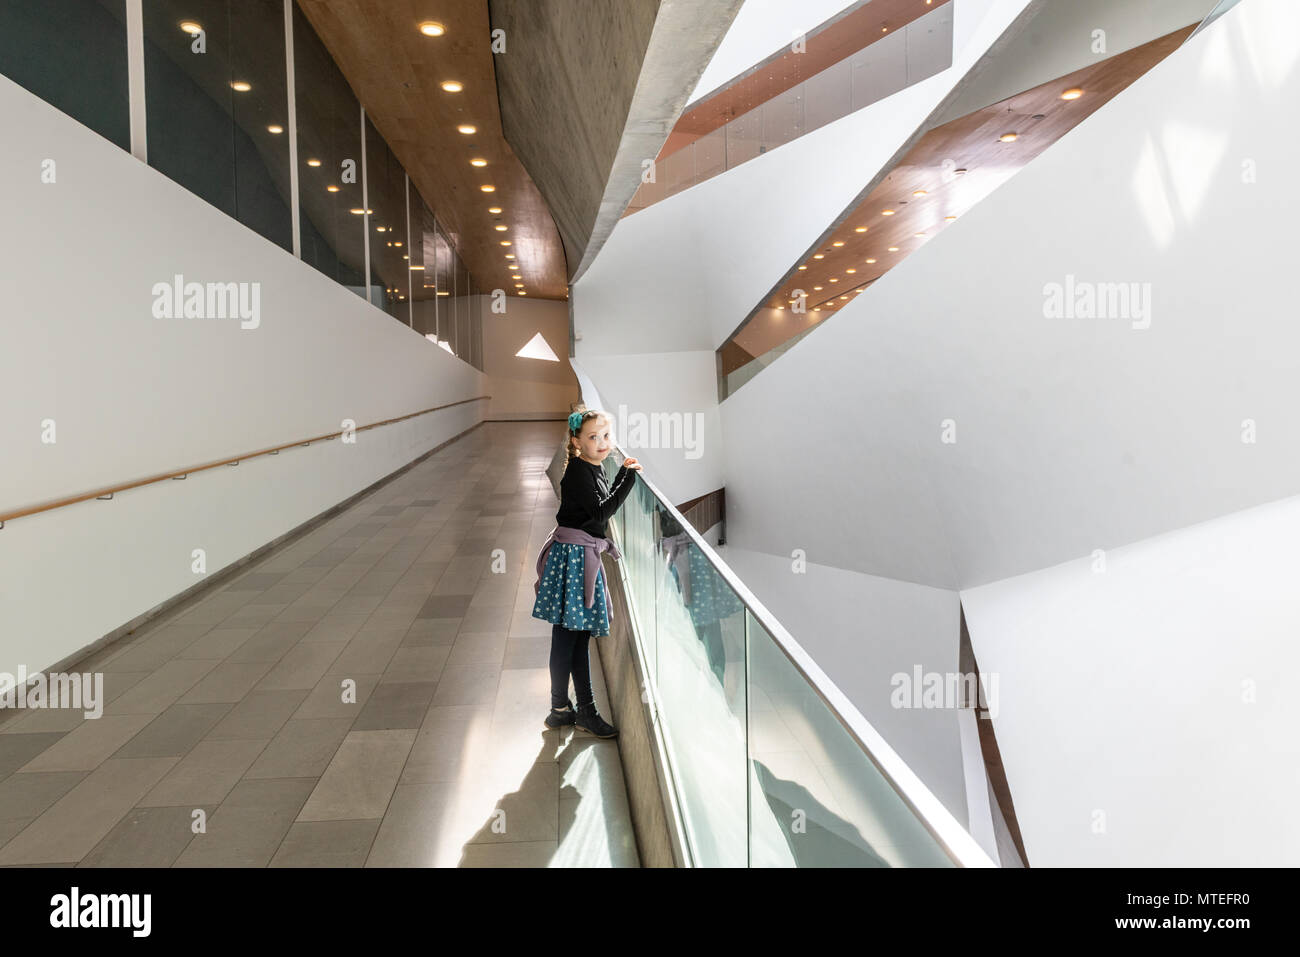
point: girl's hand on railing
(631, 463)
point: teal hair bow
(575, 421)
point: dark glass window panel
(214, 139)
(72, 54)
(386, 197)
(329, 132)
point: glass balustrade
(765, 772)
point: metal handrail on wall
(108, 492)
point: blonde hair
(571, 434)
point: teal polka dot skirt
(560, 595)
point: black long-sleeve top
(586, 499)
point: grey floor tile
(220, 643)
(419, 829)
(478, 648)
(26, 796)
(302, 749)
(431, 631)
(174, 732)
(417, 664)
(360, 779)
(474, 683)
(74, 824)
(228, 681)
(326, 844)
(87, 747)
(21, 749)
(446, 606)
(207, 774)
(396, 705)
(260, 715)
(147, 837)
(156, 693)
(302, 666)
(332, 698)
(249, 826)
(530, 854)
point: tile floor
(370, 694)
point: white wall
(684, 462)
(1120, 692)
(1071, 434)
(134, 396)
(1127, 690)
(761, 28)
(862, 630)
(527, 388)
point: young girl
(571, 590)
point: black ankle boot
(562, 718)
(590, 721)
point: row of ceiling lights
(429, 28)
(1009, 137)
(432, 28)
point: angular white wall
(1121, 692)
(132, 395)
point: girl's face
(593, 441)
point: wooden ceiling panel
(396, 72)
(956, 165)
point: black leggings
(569, 656)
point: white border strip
(135, 79)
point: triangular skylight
(536, 348)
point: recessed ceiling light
(275, 128)
(844, 297)
(860, 229)
(893, 249)
(478, 162)
(488, 189)
(870, 261)
(191, 27)
(506, 242)
(819, 256)
(519, 285)
(838, 243)
(850, 271)
(494, 210)
(817, 310)
(313, 162)
(432, 28)
(417, 267)
(522, 293)
(918, 192)
(803, 267)
(398, 243)
(332, 188)
(886, 212)
(499, 228)
(510, 255)
(452, 86)
(240, 86)
(380, 229)
(1072, 94)
(466, 129)
(835, 279)
(516, 276)
(817, 288)
(1008, 137)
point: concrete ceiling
(589, 89)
